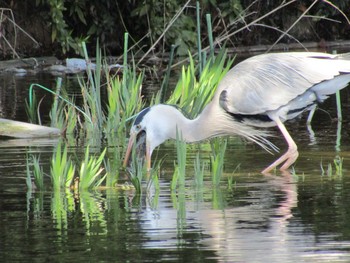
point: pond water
(302, 216)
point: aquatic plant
(230, 182)
(33, 168)
(153, 183)
(124, 100)
(217, 158)
(90, 170)
(180, 166)
(136, 170)
(112, 164)
(32, 105)
(192, 94)
(199, 169)
(338, 165)
(32, 110)
(62, 169)
(91, 92)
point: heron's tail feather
(264, 143)
(328, 87)
(259, 137)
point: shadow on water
(302, 216)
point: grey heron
(262, 91)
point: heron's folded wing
(267, 82)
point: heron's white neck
(198, 129)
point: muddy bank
(56, 66)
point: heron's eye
(138, 127)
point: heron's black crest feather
(140, 116)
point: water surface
(300, 216)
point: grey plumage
(268, 82)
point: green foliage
(74, 22)
(62, 169)
(217, 158)
(34, 168)
(124, 99)
(158, 15)
(60, 31)
(199, 169)
(93, 20)
(338, 165)
(180, 167)
(31, 110)
(90, 170)
(193, 95)
(136, 171)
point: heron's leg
(311, 134)
(288, 157)
(311, 114)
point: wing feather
(267, 82)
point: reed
(199, 169)
(153, 188)
(199, 42)
(194, 94)
(91, 90)
(90, 173)
(328, 172)
(230, 183)
(62, 168)
(32, 105)
(181, 153)
(338, 164)
(57, 107)
(210, 34)
(136, 170)
(32, 110)
(112, 164)
(34, 170)
(218, 146)
(136, 177)
(38, 173)
(124, 101)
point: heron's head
(152, 126)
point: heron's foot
(288, 159)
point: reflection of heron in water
(260, 92)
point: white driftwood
(17, 129)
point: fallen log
(18, 129)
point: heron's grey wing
(267, 82)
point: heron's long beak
(129, 149)
(132, 141)
(148, 157)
